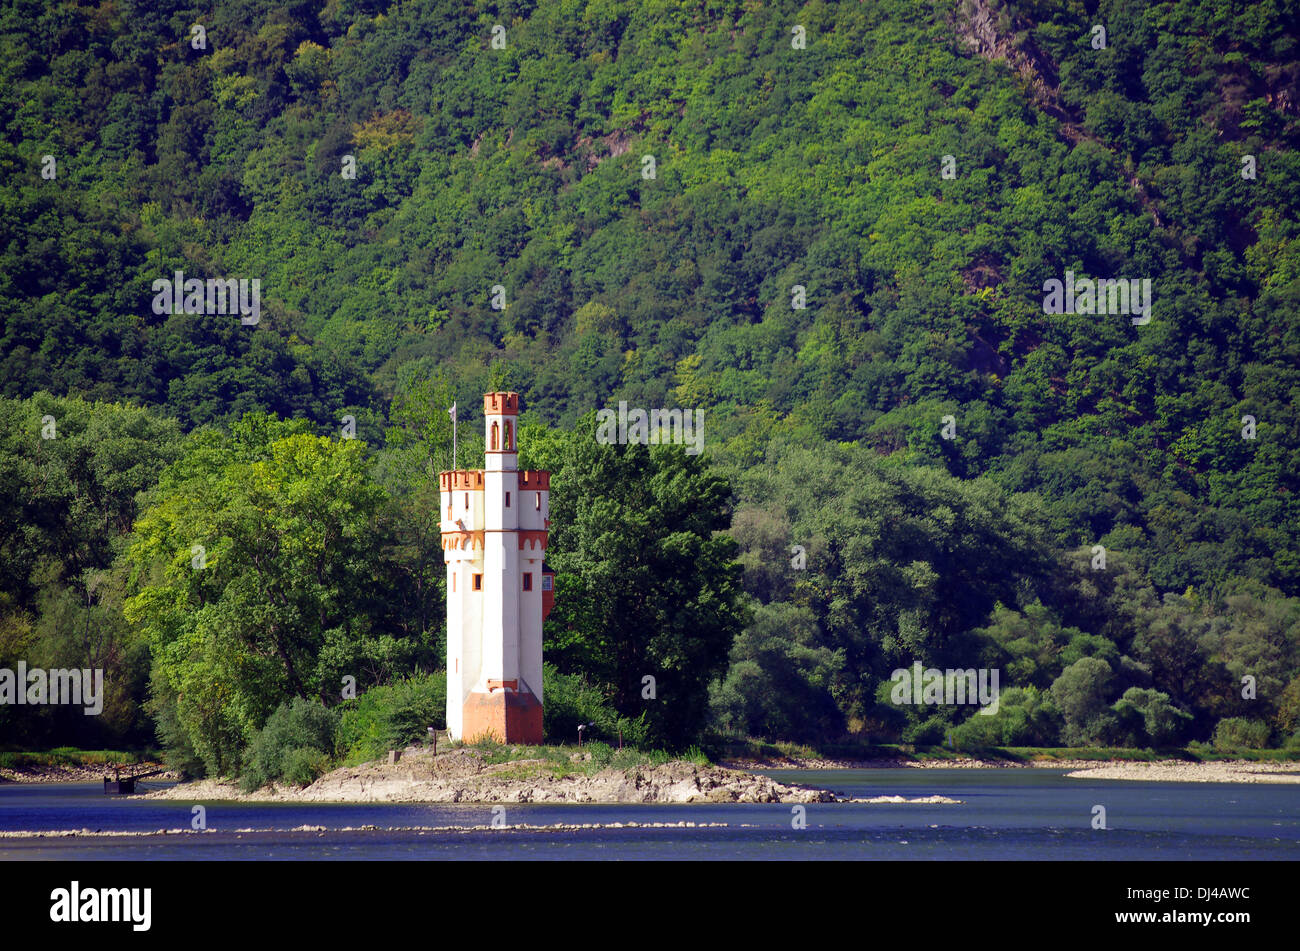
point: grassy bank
(566, 761)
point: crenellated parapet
(500, 404)
(456, 480)
(534, 481)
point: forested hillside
(830, 226)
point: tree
(779, 681)
(646, 584)
(1080, 693)
(1147, 717)
(261, 577)
(902, 564)
(70, 474)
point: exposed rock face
(461, 776)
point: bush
(1234, 733)
(1148, 717)
(178, 749)
(299, 727)
(697, 756)
(778, 683)
(393, 717)
(302, 765)
(932, 731)
(1025, 717)
(602, 754)
(570, 702)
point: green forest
(829, 226)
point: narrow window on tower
(538, 497)
(467, 501)
(509, 446)
(478, 582)
(496, 435)
(507, 500)
(453, 582)
(528, 581)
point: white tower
(494, 533)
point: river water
(1033, 814)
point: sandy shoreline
(1176, 771)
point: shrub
(1148, 716)
(572, 701)
(1025, 717)
(602, 754)
(929, 732)
(1240, 733)
(697, 756)
(392, 717)
(302, 725)
(302, 765)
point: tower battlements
(471, 479)
(498, 403)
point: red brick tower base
(506, 715)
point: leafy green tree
(1081, 694)
(646, 584)
(260, 577)
(780, 678)
(70, 474)
(1148, 718)
(897, 559)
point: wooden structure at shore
(120, 785)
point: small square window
(478, 582)
(528, 581)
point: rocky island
(469, 775)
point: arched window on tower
(496, 435)
(509, 446)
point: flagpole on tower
(452, 411)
